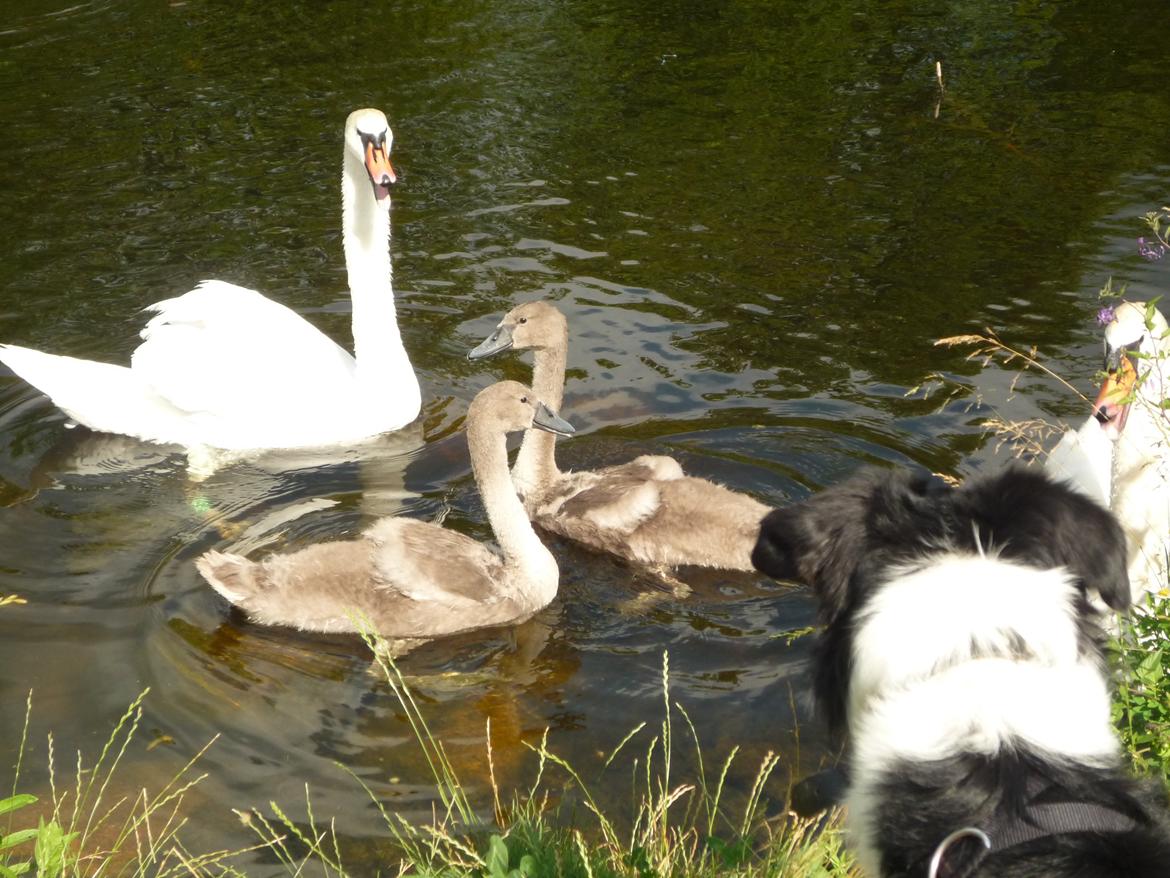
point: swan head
(1136, 340)
(508, 406)
(368, 139)
(531, 326)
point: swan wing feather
(646, 466)
(227, 350)
(617, 501)
(100, 396)
(432, 565)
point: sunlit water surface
(757, 217)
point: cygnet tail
(233, 576)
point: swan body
(414, 580)
(647, 510)
(223, 367)
(1121, 455)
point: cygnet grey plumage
(414, 580)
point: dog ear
(1036, 520)
(1091, 544)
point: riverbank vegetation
(1141, 705)
(680, 826)
(82, 830)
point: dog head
(851, 541)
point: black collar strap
(1004, 832)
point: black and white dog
(962, 652)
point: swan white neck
(1147, 432)
(382, 363)
(536, 464)
(532, 565)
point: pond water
(758, 218)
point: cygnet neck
(536, 465)
(524, 553)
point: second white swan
(1121, 455)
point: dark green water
(758, 217)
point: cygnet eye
(523, 319)
(524, 399)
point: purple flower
(1151, 251)
(1105, 316)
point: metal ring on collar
(936, 859)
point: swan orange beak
(380, 170)
(1111, 407)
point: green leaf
(497, 856)
(639, 859)
(14, 802)
(19, 837)
(733, 854)
(1149, 669)
(13, 871)
(52, 850)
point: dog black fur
(866, 537)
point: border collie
(962, 652)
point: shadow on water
(757, 218)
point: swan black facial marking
(378, 140)
(1113, 355)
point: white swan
(411, 579)
(223, 367)
(1121, 455)
(646, 510)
